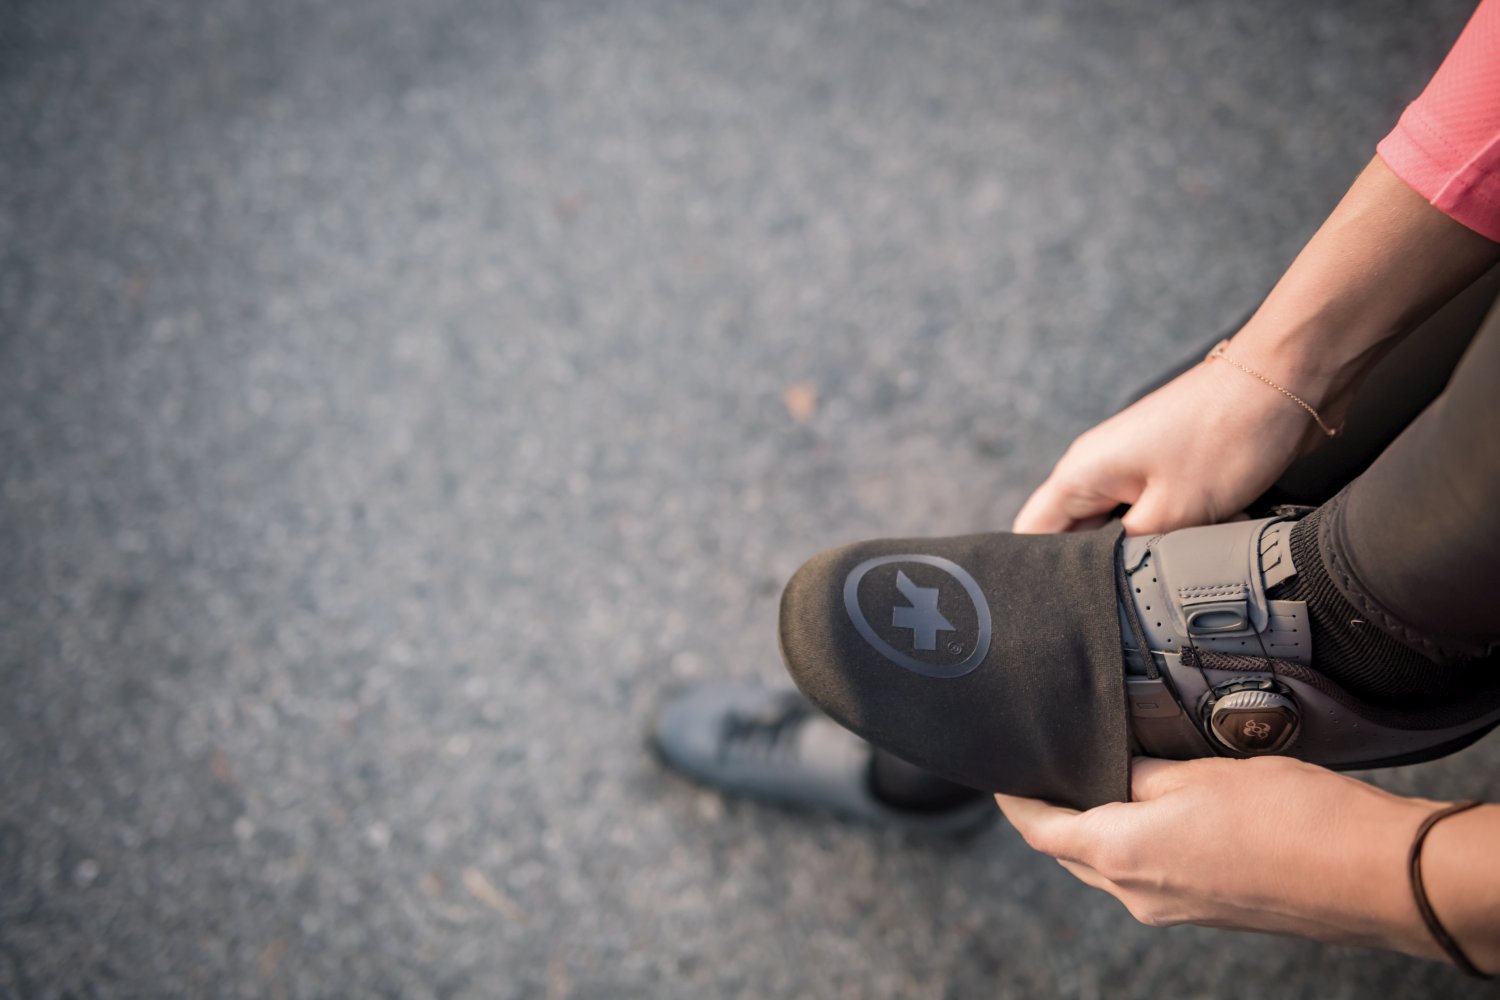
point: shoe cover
(991, 660)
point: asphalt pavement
(398, 400)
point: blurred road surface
(397, 399)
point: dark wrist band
(1419, 891)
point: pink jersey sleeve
(1447, 144)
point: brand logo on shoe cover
(924, 613)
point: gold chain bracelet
(1218, 352)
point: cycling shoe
(1038, 664)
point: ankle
(1355, 648)
(905, 786)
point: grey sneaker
(774, 745)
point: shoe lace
(765, 734)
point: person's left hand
(1268, 844)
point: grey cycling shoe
(1038, 664)
(773, 745)
(1233, 671)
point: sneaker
(774, 745)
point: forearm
(1362, 878)
(1382, 263)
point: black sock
(907, 786)
(1358, 654)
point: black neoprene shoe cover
(991, 660)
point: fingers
(1062, 505)
(1168, 505)
(1045, 827)
(1152, 514)
(1043, 513)
(1054, 507)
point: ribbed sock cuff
(1355, 648)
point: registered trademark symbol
(955, 647)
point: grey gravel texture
(394, 407)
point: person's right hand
(1196, 451)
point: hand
(1202, 447)
(1196, 451)
(1268, 844)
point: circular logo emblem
(923, 613)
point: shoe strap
(1207, 586)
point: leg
(1434, 581)
(774, 745)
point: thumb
(1151, 777)
(1158, 510)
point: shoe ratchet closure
(1207, 587)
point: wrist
(1381, 871)
(1310, 358)
(1462, 882)
(1219, 353)
(1322, 396)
